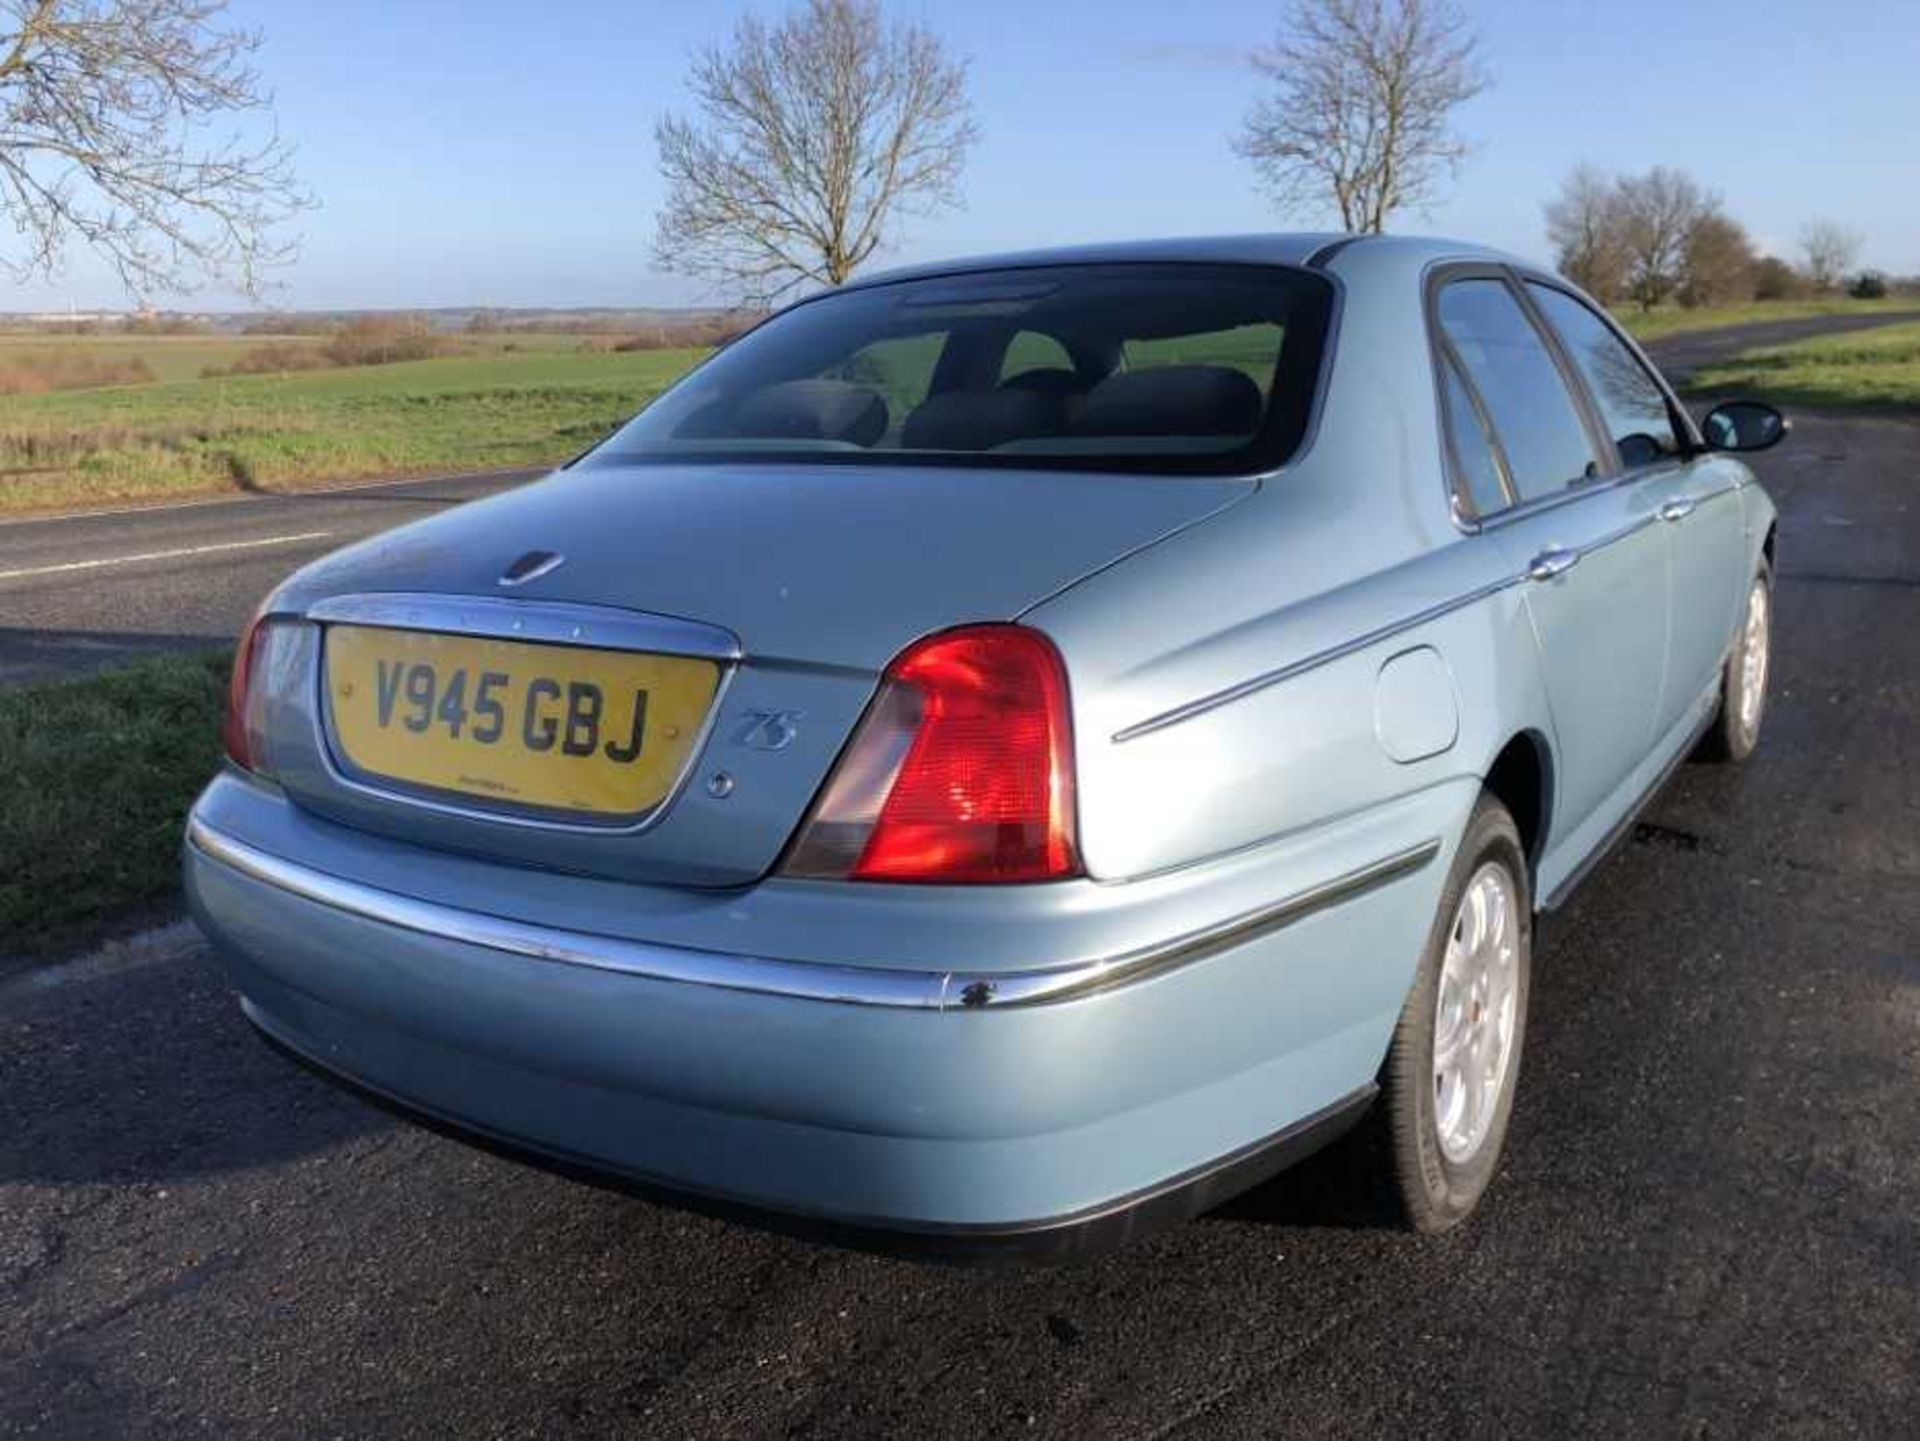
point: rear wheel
(1743, 683)
(1448, 1084)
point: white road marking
(305, 492)
(159, 946)
(184, 553)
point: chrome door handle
(1554, 560)
(1677, 509)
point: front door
(1706, 533)
(1693, 495)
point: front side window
(1527, 401)
(1638, 420)
(1140, 366)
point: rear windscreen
(1169, 367)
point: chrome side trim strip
(793, 980)
(1614, 537)
(1245, 688)
(1260, 682)
(1032, 988)
(537, 621)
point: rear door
(1540, 487)
(1694, 493)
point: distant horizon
(519, 163)
(182, 310)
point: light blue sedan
(1008, 753)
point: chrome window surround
(795, 980)
(1603, 458)
(1518, 278)
(534, 623)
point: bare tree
(814, 136)
(1717, 263)
(1659, 211)
(1586, 227)
(1359, 119)
(1830, 249)
(105, 107)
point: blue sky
(481, 151)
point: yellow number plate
(598, 731)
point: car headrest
(795, 410)
(1056, 382)
(980, 420)
(1172, 400)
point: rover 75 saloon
(1006, 753)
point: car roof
(1289, 248)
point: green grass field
(536, 404)
(1875, 369)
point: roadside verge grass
(96, 775)
(1676, 320)
(1872, 370)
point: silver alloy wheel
(1475, 1013)
(1754, 647)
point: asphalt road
(80, 593)
(1707, 1221)
(1679, 354)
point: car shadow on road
(1339, 1188)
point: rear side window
(1533, 413)
(1638, 420)
(1132, 366)
(1473, 456)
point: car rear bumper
(1048, 1126)
(1046, 1238)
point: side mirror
(1745, 425)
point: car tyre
(1448, 1083)
(1735, 731)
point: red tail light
(961, 771)
(240, 732)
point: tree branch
(814, 137)
(104, 108)
(1362, 95)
